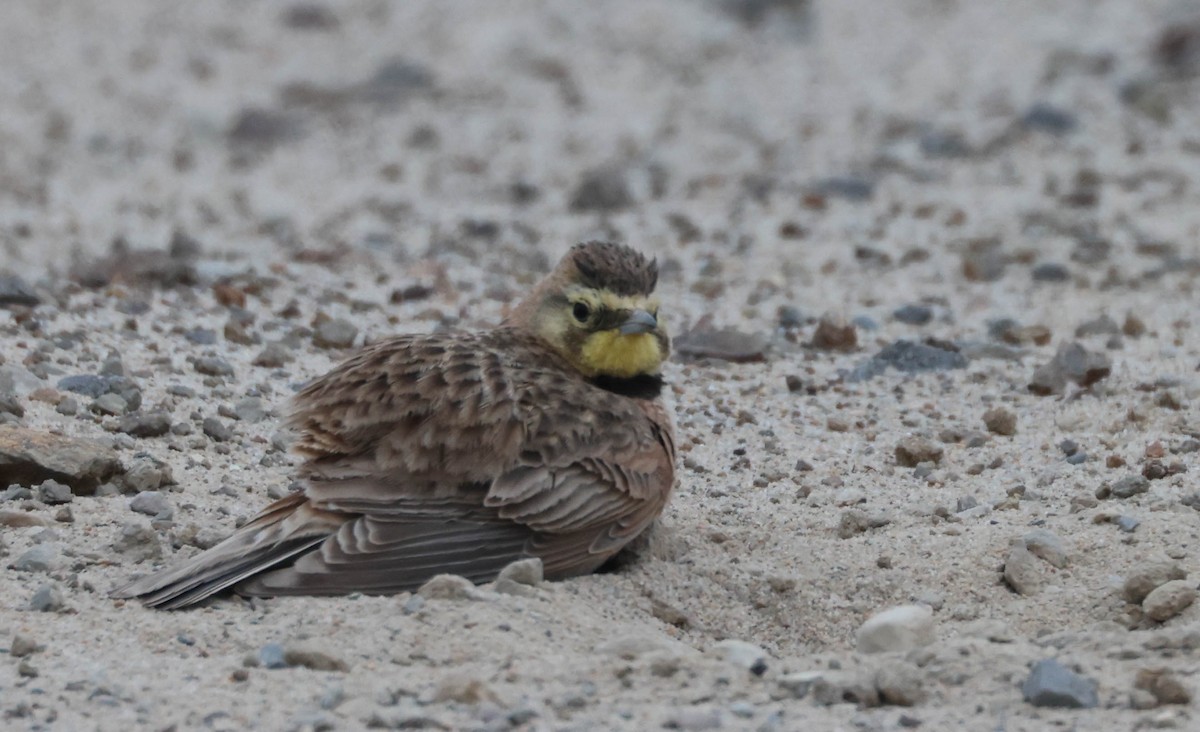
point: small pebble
(53, 493)
(1145, 577)
(1050, 684)
(1168, 600)
(38, 559)
(913, 314)
(1000, 421)
(447, 587)
(216, 429)
(740, 653)
(47, 599)
(1128, 524)
(335, 333)
(901, 628)
(913, 450)
(151, 503)
(210, 366)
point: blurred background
(786, 133)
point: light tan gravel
(361, 148)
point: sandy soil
(783, 160)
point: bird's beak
(639, 321)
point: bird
(461, 452)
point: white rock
(900, 628)
(1168, 600)
(741, 653)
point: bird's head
(598, 310)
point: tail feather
(284, 529)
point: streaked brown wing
(440, 406)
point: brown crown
(614, 267)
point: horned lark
(545, 437)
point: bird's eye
(581, 312)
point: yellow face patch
(608, 353)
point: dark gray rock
(1045, 118)
(147, 424)
(201, 336)
(909, 357)
(15, 291)
(212, 366)
(216, 429)
(52, 493)
(1051, 272)
(89, 385)
(850, 187)
(1050, 684)
(1072, 363)
(913, 314)
(1130, 486)
(603, 190)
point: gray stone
(911, 451)
(1000, 421)
(52, 493)
(274, 355)
(110, 404)
(913, 314)
(212, 366)
(1051, 272)
(88, 385)
(10, 404)
(335, 333)
(112, 365)
(1021, 570)
(16, 291)
(68, 406)
(138, 541)
(740, 653)
(900, 683)
(40, 558)
(447, 587)
(603, 189)
(1072, 363)
(272, 656)
(151, 424)
(1128, 524)
(47, 599)
(250, 409)
(151, 503)
(22, 646)
(146, 473)
(216, 429)
(524, 571)
(1047, 546)
(18, 380)
(900, 628)
(1130, 486)
(201, 336)
(1050, 684)
(1168, 600)
(910, 358)
(317, 659)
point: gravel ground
(931, 267)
